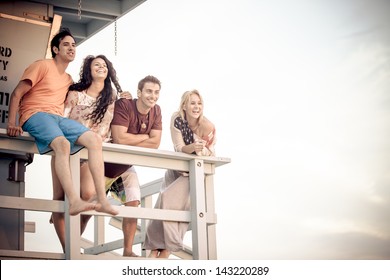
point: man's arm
(154, 139)
(21, 89)
(121, 136)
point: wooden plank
(118, 153)
(151, 188)
(32, 204)
(85, 243)
(22, 19)
(110, 257)
(103, 248)
(148, 213)
(99, 230)
(211, 228)
(29, 227)
(72, 223)
(198, 210)
(55, 28)
(31, 255)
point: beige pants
(174, 196)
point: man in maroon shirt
(136, 122)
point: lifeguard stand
(16, 53)
(12, 226)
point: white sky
(298, 91)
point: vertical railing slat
(210, 208)
(198, 210)
(72, 228)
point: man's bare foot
(164, 254)
(130, 254)
(153, 254)
(106, 208)
(80, 206)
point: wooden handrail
(201, 170)
(115, 152)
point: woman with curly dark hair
(90, 101)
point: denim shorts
(45, 127)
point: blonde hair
(185, 99)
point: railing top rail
(125, 149)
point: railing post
(146, 202)
(210, 208)
(99, 230)
(198, 210)
(72, 223)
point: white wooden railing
(202, 216)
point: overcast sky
(298, 91)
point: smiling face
(148, 96)
(193, 107)
(99, 69)
(66, 50)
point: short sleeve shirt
(126, 114)
(79, 105)
(48, 92)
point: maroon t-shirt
(126, 114)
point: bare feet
(106, 208)
(159, 253)
(164, 254)
(79, 206)
(130, 254)
(93, 199)
(153, 254)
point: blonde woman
(191, 133)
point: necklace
(144, 119)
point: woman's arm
(198, 146)
(177, 138)
(70, 102)
(206, 131)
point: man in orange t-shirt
(39, 97)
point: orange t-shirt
(48, 92)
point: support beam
(198, 210)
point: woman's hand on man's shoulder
(125, 94)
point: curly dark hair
(107, 95)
